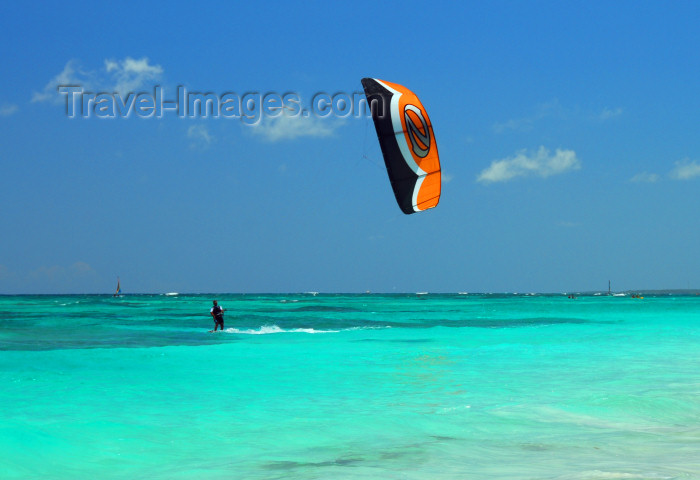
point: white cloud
(609, 113)
(645, 177)
(130, 74)
(685, 170)
(72, 74)
(545, 110)
(519, 124)
(200, 136)
(8, 109)
(286, 127)
(540, 163)
(553, 110)
(122, 76)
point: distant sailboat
(119, 289)
(615, 294)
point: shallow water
(350, 386)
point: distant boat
(119, 289)
(172, 294)
(615, 294)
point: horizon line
(421, 293)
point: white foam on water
(269, 329)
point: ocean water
(424, 387)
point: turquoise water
(338, 387)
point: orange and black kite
(408, 144)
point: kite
(408, 144)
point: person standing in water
(218, 313)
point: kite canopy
(408, 144)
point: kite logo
(418, 134)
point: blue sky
(568, 138)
